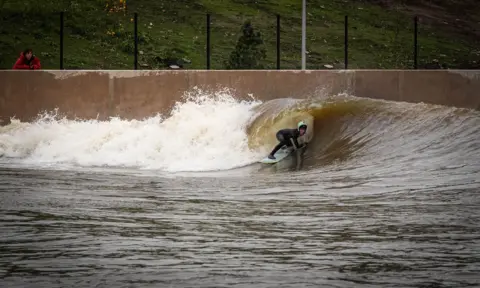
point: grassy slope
(380, 36)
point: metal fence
(208, 42)
(412, 57)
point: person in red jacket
(27, 61)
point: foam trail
(206, 132)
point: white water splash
(205, 132)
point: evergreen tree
(249, 51)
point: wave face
(208, 132)
(374, 136)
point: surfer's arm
(294, 142)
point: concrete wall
(138, 94)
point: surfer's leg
(280, 137)
(279, 145)
(282, 140)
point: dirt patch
(458, 17)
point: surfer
(287, 136)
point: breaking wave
(214, 131)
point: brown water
(385, 195)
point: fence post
(346, 42)
(61, 39)
(415, 43)
(135, 32)
(304, 34)
(208, 41)
(278, 42)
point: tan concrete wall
(442, 87)
(139, 94)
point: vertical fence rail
(135, 32)
(208, 41)
(278, 42)
(346, 42)
(415, 43)
(61, 39)
(304, 34)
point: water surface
(384, 196)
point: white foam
(206, 132)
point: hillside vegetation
(380, 33)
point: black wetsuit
(284, 137)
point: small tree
(249, 50)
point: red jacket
(23, 63)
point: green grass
(378, 37)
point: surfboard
(279, 155)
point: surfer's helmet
(302, 125)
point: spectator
(27, 61)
